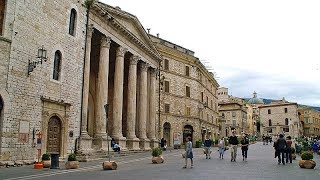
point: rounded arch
(167, 132)
(187, 132)
(57, 61)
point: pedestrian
(233, 141)
(281, 146)
(207, 144)
(221, 147)
(289, 150)
(189, 153)
(244, 148)
(116, 147)
(163, 144)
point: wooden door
(54, 135)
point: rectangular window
(285, 110)
(166, 108)
(207, 101)
(166, 64)
(201, 96)
(211, 105)
(286, 129)
(2, 9)
(188, 111)
(187, 91)
(269, 111)
(187, 71)
(166, 86)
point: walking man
(207, 144)
(233, 141)
(281, 147)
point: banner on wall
(177, 138)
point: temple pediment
(128, 24)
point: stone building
(279, 117)
(254, 103)
(60, 64)
(41, 76)
(310, 121)
(232, 112)
(188, 99)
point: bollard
(54, 161)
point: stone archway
(187, 132)
(54, 135)
(166, 133)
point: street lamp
(42, 56)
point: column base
(122, 143)
(144, 144)
(85, 144)
(133, 144)
(101, 142)
(154, 143)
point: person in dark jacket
(207, 144)
(233, 141)
(281, 146)
(244, 147)
(289, 150)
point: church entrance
(54, 135)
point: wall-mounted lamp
(42, 56)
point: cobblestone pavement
(261, 164)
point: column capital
(121, 51)
(153, 72)
(144, 66)
(90, 30)
(134, 60)
(105, 41)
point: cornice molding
(102, 12)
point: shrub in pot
(46, 160)
(156, 155)
(306, 160)
(72, 162)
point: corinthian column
(85, 93)
(132, 140)
(152, 109)
(102, 92)
(118, 97)
(143, 94)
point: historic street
(261, 165)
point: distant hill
(268, 101)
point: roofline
(274, 105)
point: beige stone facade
(310, 120)
(279, 117)
(188, 99)
(31, 102)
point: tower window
(72, 25)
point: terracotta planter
(157, 160)
(308, 164)
(46, 163)
(72, 164)
(109, 165)
(294, 156)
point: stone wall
(35, 24)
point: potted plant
(156, 155)
(293, 151)
(198, 144)
(72, 162)
(46, 160)
(307, 161)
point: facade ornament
(134, 60)
(105, 42)
(121, 51)
(144, 66)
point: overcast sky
(271, 47)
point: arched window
(72, 25)
(56, 65)
(270, 123)
(2, 11)
(286, 121)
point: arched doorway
(54, 135)
(187, 132)
(166, 133)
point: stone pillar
(152, 109)
(102, 94)
(118, 98)
(85, 142)
(143, 95)
(132, 140)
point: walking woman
(221, 147)
(244, 147)
(189, 153)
